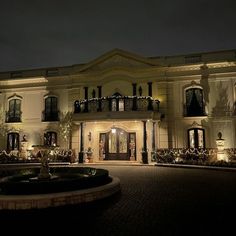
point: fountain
(44, 151)
(38, 188)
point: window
(50, 139)
(121, 105)
(16, 74)
(52, 72)
(14, 112)
(196, 138)
(194, 102)
(51, 111)
(193, 59)
(113, 104)
(12, 141)
(117, 103)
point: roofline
(117, 49)
(195, 53)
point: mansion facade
(122, 106)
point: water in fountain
(38, 188)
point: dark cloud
(44, 33)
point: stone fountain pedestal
(23, 152)
(44, 170)
(44, 151)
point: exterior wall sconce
(89, 136)
(140, 90)
(113, 130)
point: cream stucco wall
(116, 72)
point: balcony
(50, 116)
(117, 107)
(13, 116)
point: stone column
(153, 135)
(153, 141)
(134, 108)
(81, 153)
(100, 96)
(150, 106)
(144, 150)
(86, 98)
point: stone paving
(153, 201)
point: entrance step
(108, 162)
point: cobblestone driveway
(153, 201)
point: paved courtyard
(153, 201)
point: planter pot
(145, 157)
(90, 158)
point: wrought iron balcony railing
(50, 116)
(13, 116)
(117, 103)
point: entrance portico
(116, 140)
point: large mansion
(122, 106)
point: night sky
(47, 33)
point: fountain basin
(61, 180)
(74, 186)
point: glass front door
(117, 144)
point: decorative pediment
(117, 59)
(195, 125)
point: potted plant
(144, 156)
(89, 153)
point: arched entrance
(118, 144)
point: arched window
(50, 138)
(14, 112)
(196, 138)
(51, 111)
(12, 141)
(194, 102)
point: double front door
(118, 144)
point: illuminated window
(117, 103)
(121, 105)
(50, 139)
